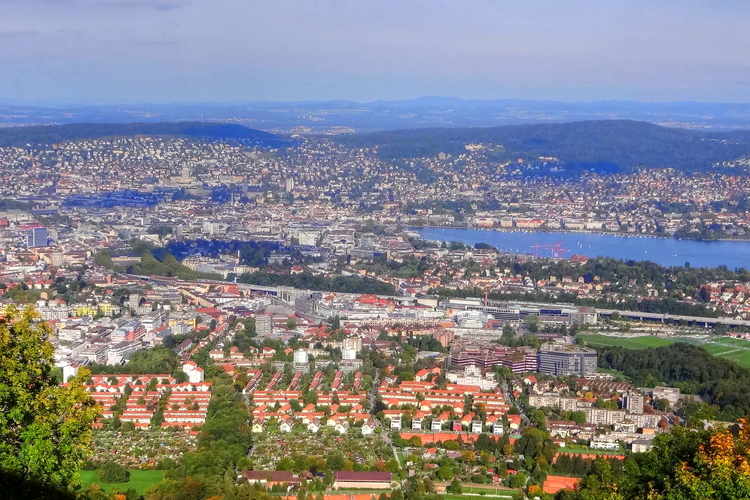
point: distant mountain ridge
(598, 145)
(427, 111)
(53, 134)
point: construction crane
(558, 252)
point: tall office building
(38, 237)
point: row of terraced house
(184, 404)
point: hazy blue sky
(228, 50)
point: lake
(667, 252)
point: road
(674, 318)
(287, 294)
(371, 397)
(509, 398)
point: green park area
(488, 491)
(140, 480)
(585, 450)
(596, 340)
(506, 496)
(737, 350)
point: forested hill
(604, 145)
(690, 368)
(53, 134)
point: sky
(93, 51)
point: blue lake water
(667, 252)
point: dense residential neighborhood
(212, 292)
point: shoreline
(579, 231)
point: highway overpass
(674, 318)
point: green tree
(285, 463)
(335, 322)
(455, 487)
(578, 417)
(532, 323)
(45, 429)
(537, 449)
(445, 472)
(112, 472)
(518, 480)
(600, 483)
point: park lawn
(401, 458)
(140, 480)
(596, 340)
(486, 489)
(614, 373)
(736, 350)
(492, 491)
(501, 496)
(733, 342)
(741, 357)
(732, 350)
(585, 450)
(717, 349)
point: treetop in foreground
(45, 428)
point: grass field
(400, 457)
(738, 353)
(740, 357)
(588, 451)
(733, 342)
(140, 480)
(614, 373)
(501, 496)
(718, 349)
(489, 491)
(736, 350)
(596, 340)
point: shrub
(455, 487)
(112, 472)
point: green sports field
(140, 480)
(733, 349)
(737, 350)
(730, 341)
(628, 342)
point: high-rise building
(300, 356)
(289, 185)
(37, 237)
(134, 300)
(634, 402)
(264, 324)
(566, 359)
